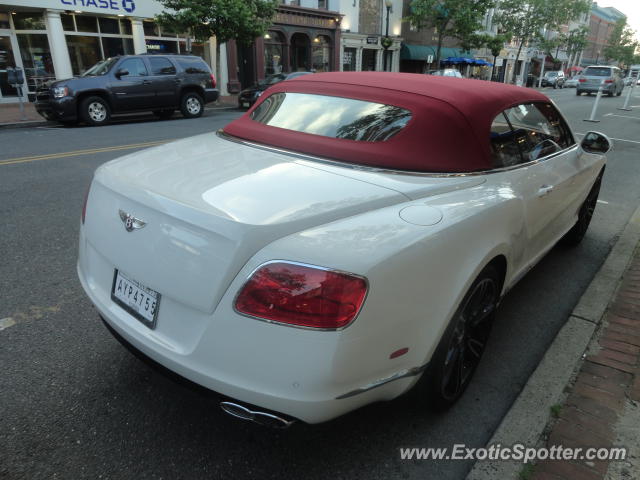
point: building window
(322, 4)
(29, 21)
(112, 47)
(84, 52)
(321, 54)
(4, 20)
(36, 59)
(369, 59)
(86, 23)
(273, 52)
(349, 59)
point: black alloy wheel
(463, 343)
(577, 233)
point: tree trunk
(493, 68)
(441, 31)
(515, 63)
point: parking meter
(15, 77)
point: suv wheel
(191, 105)
(95, 111)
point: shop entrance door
(8, 46)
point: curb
(24, 124)
(527, 418)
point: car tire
(574, 236)
(191, 105)
(578, 92)
(95, 111)
(163, 114)
(459, 351)
(619, 93)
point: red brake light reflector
(213, 81)
(582, 80)
(302, 295)
(608, 81)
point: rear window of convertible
(335, 117)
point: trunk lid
(209, 204)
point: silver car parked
(609, 77)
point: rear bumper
(63, 109)
(211, 95)
(297, 372)
(608, 88)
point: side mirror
(122, 72)
(595, 142)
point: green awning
(422, 52)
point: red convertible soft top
(449, 129)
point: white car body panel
(209, 228)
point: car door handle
(545, 190)
(177, 81)
(146, 82)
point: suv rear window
(598, 72)
(193, 65)
(335, 117)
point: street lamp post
(386, 41)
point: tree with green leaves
(242, 20)
(459, 19)
(524, 20)
(576, 41)
(621, 44)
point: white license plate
(245, 104)
(140, 301)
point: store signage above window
(372, 40)
(138, 8)
(116, 5)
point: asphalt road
(75, 404)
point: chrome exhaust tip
(262, 418)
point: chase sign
(128, 6)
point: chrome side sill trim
(410, 372)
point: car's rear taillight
(213, 81)
(302, 295)
(84, 203)
(608, 81)
(582, 80)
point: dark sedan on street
(249, 96)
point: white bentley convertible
(351, 234)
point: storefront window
(349, 60)
(87, 24)
(125, 26)
(67, 22)
(109, 25)
(4, 20)
(36, 58)
(369, 59)
(321, 54)
(6, 61)
(29, 21)
(299, 52)
(84, 52)
(273, 52)
(116, 46)
(150, 29)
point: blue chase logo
(116, 5)
(128, 6)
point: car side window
(135, 67)
(535, 134)
(193, 65)
(504, 148)
(565, 140)
(161, 66)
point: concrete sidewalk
(601, 409)
(11, 116)
(585, 393)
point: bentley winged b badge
(131, 223)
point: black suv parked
(130, 83)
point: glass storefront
(273, 52)
(84, 52)
(349, 59)
(321, 54)
(369, 59)
(36, 59)
(6, 61)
